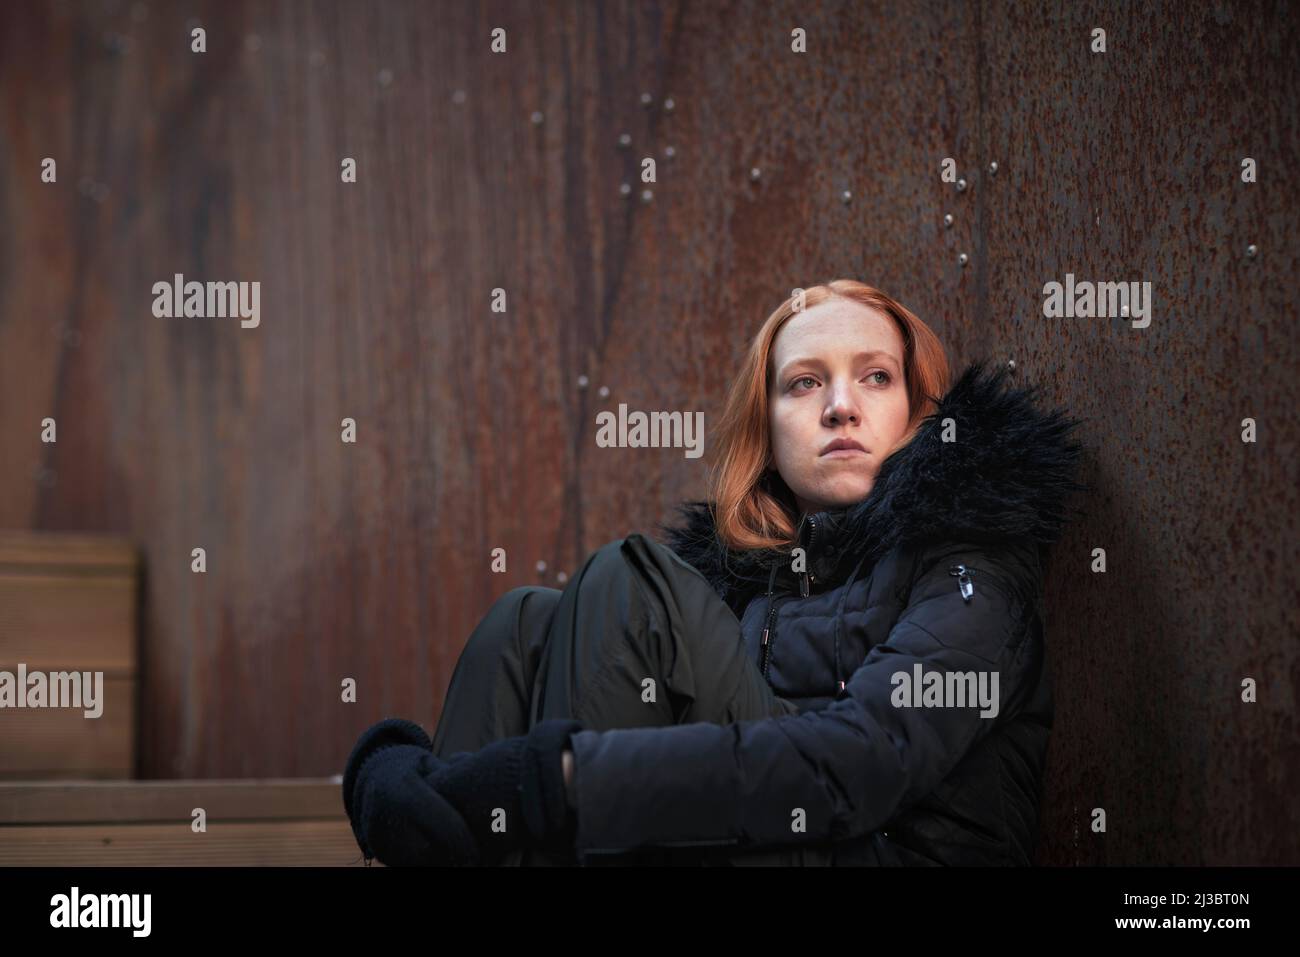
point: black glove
(395, 814)
(409, 807)
(511, 793)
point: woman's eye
(806, 378)
(879, 372)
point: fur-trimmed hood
(1008, 473)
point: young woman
(838, 658)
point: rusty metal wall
(475, 428)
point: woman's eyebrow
(872, 354)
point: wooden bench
(67, 797)
(280, 822)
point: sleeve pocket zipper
(967, 587)
(963, 581)
(962, 572)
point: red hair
(753, 508)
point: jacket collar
(1008, 473)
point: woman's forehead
(854, 331)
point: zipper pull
(963, 581)
(764, 637)
(803, 584)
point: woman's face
(838, 374)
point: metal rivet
(947, 221)
(993, 168)
(1011, 364)
(541, 568)
(646, 195)
(1251, 251)
(561, 577)
(625, 189)
(668, 105)
(755, 173)
(669, 152)
(583, 382)
(846, 196)
(624, 140)
(646, 99)
(962, 259)
(603, 392)
(961, 186)
(537, 117)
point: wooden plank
(60, 622)
(83, 802)
(68, 603)
(63, 743)
(23, 551)
(260, 844)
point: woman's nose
(842, 408)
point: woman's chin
(843, 497)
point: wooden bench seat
(280, 822)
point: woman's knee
(632, 557)
(518, 617)
(606, 557)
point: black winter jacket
(939, 570)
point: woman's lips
(843, 453)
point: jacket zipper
(967, 587)
(768, 635)
(808, 578)
(963, 581)
(805, 579)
